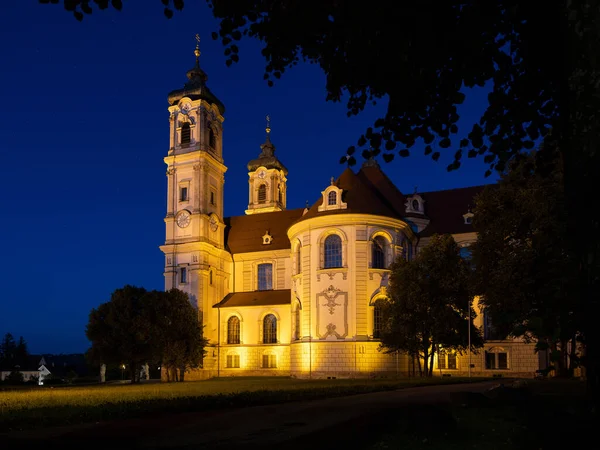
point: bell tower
(195, 258)
(267, 179)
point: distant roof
(256, 298)
(244, 233)
(445, 209)
(31, 363)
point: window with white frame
(447, 361)
(233, 361)
(332, 198)
(496, 358)
(377, 319)
(186, 133)
(270, 329)
(298, 258)
(183, 193)
(332, 252)
(269, 361)
(378, 253)
(265, 277)
(297, 323)
(262, 193)
(233, 330)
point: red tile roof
(445, 209)
(360, 195)
(256, 298)
(369, 191)
(244, 233)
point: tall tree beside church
(121, 330)
(524, 267)
(180, 341)
(543, 71)
(430, 304)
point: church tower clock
(267, 179)
(195, 258)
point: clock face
(185, 108)
(213, 223)
(183, 219)
(262, 174)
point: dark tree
(524, 266)
(430, 304)
(538, 58)
(8, 349)
(121, 330)
(179, 333)
(21, 353)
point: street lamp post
(469, 331)
(122, 372)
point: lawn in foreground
(28, 409)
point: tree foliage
(137, 327)
(525, 266)
(429, 304)
(13, 353)
(180, 333)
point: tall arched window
(332, 198)
(185, 133)
(377, 319)
(233, 330)
(378, 254)
(265, 277)
(270, 329)
(298, 259)
(332, 252)
(262, 193)
(297, 326)
(212, 138)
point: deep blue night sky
(83, 133)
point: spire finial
(416, 187)
(268, 129)
(197, 50)
(332, 181)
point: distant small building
(33, 367)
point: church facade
(296, 291)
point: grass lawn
(34, 408)
(542, 415)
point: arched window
(298, 259)
(233, 330)
(280, 195)
(297, 326)
(415, 205)
(212, 138)
(378, 254)
(332, 198)
(333, 252)
(262, 193)
(210, 278)
(270, 329)
(265, 277)
(377, 319)
(185, 133)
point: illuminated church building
(295, 291)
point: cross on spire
(197, 50)
(268, 129)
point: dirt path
(311, 424)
